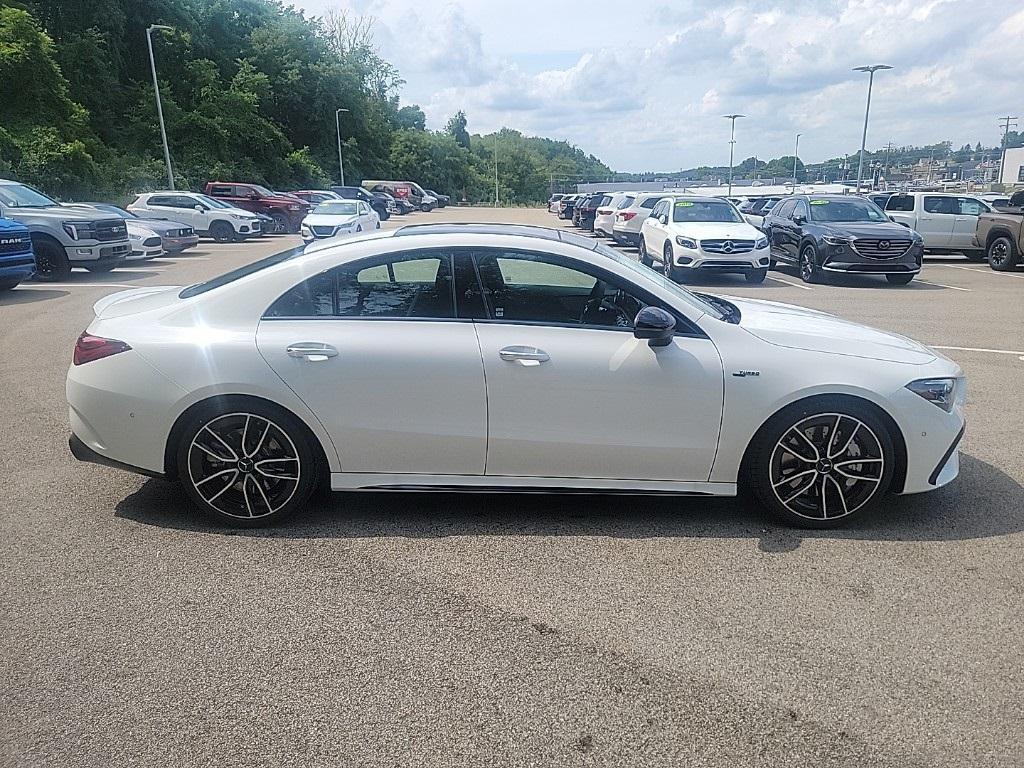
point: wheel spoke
(260, 443)
(263, 494)
(230, 483)
(258, 466)
(839, 488)
(824, 501)
(799, 492)
(234, 456)
(832, 437)
(817, 454)
(245, 495)
(216, 475)
(796, 476)
(849, 441)
(209, 452)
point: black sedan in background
(824, 234)
(567, 205)
(442, 200)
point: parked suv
(945, 222)
(62, 238)
(379, 204)
(1001, 234)
(16, 260)
(841, 233)
(206, 215)
(586, 211)
(287, 211)
(629, 219)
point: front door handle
(313, 351)
(528, 356)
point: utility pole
(796, 153)
(867, 110)
(732, 145)
(1006, 122)
(495, 169)
(337, 125)
(159, 107)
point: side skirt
(350, 481)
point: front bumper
(932, 438)
(179, 244)
(842, 258)
(116, 251)
(698, 259)
(18, 267)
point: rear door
(376, 350)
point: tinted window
(161, 200)
(222, 190)
(800, 210)
(704, 210)
(851, 209)
(946, 205)
(784, 209)
(625, 202)
(605, 200)
(543, 288)
(409, 285)
(650, 202)
(900, 203)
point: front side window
(542, 288)
(971, 207)
(800, 210)
(705, 210)
(941, 205)
(902, 203)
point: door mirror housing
(199, 207)
(799, 219)
(656, 325)
(663, 219)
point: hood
(285, 200)
(329, 220)
(795, 327)
(883, 229)
(716, 230)
(135, 300)
(58, 213)
(11, 227)
(139, 229)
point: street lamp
(796, 152)
(337, 124)
(864, 138)
(159, 108)
(732, 145)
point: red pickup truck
(286, 211)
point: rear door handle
(528, 356)
(313, 351)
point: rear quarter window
(900, 203)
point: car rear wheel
(247, 467)
(1002, 254)
(52, 263)
(756, 275)
(899, 279)
(817, 465)
(810, 272)
(222, 232)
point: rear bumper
(84, 453)
(625, 237)
(179, 244)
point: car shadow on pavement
(30, 295)
(983, 502)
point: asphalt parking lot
(420, 630)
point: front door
(966, 223)
(572, 393)
(374, 349)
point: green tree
(457, 128)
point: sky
(643, 86)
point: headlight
(686, 242)
(941, 392)
(836, 240)
(304, 229)
(240, 217)
(79, 230)
(761, 243)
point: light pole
(796, 153)
(159, 107)
(732, 145)
(337, 125)
(495, 169)
(864, 137)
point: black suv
(358, 193)
(586, 211)
(841, 233)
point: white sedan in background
(502, 358)
(687, 234)
(333, 218)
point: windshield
(21, 196)
(845, 210)
(705, 210)
(214, 202)
(646, 273)
(336, 208)
(263, 191)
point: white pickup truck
(946, 222)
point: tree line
(249, 91)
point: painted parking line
(980, 349)
(982, 271)
(942, 285)
(787, 282)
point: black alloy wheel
(52, 264)
(1002, 254)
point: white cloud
(644, 89)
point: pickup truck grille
(111, 229)
(880, 248)
(15, 243)
(727, 246)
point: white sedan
(507, 358)
(333, 218)
(689, 234)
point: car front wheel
(222, 231)
(667, 265)
(816, 465)
(52, 263)
(810, 272)
(246, 466)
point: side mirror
(798, 219)
(892, 218)
(199, 207)
(656, 325)
(663, 219)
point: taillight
(627, 215)
(89, 348)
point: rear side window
(222, 190)
(784, 209)
(626, 202)
(900, 203)
(161, 200)
(650, 202)
(947, 205)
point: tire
(52, 263)
(107, 267)
(666, 264)
(425, 208)
(1002, 253)
(246, 463)
(899, 279)
(384, 215)
(810, 272)
(222, 232)
(645, 258)
(281, 226)
(800, 442)
(756, 275)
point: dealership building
(1013, 168)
